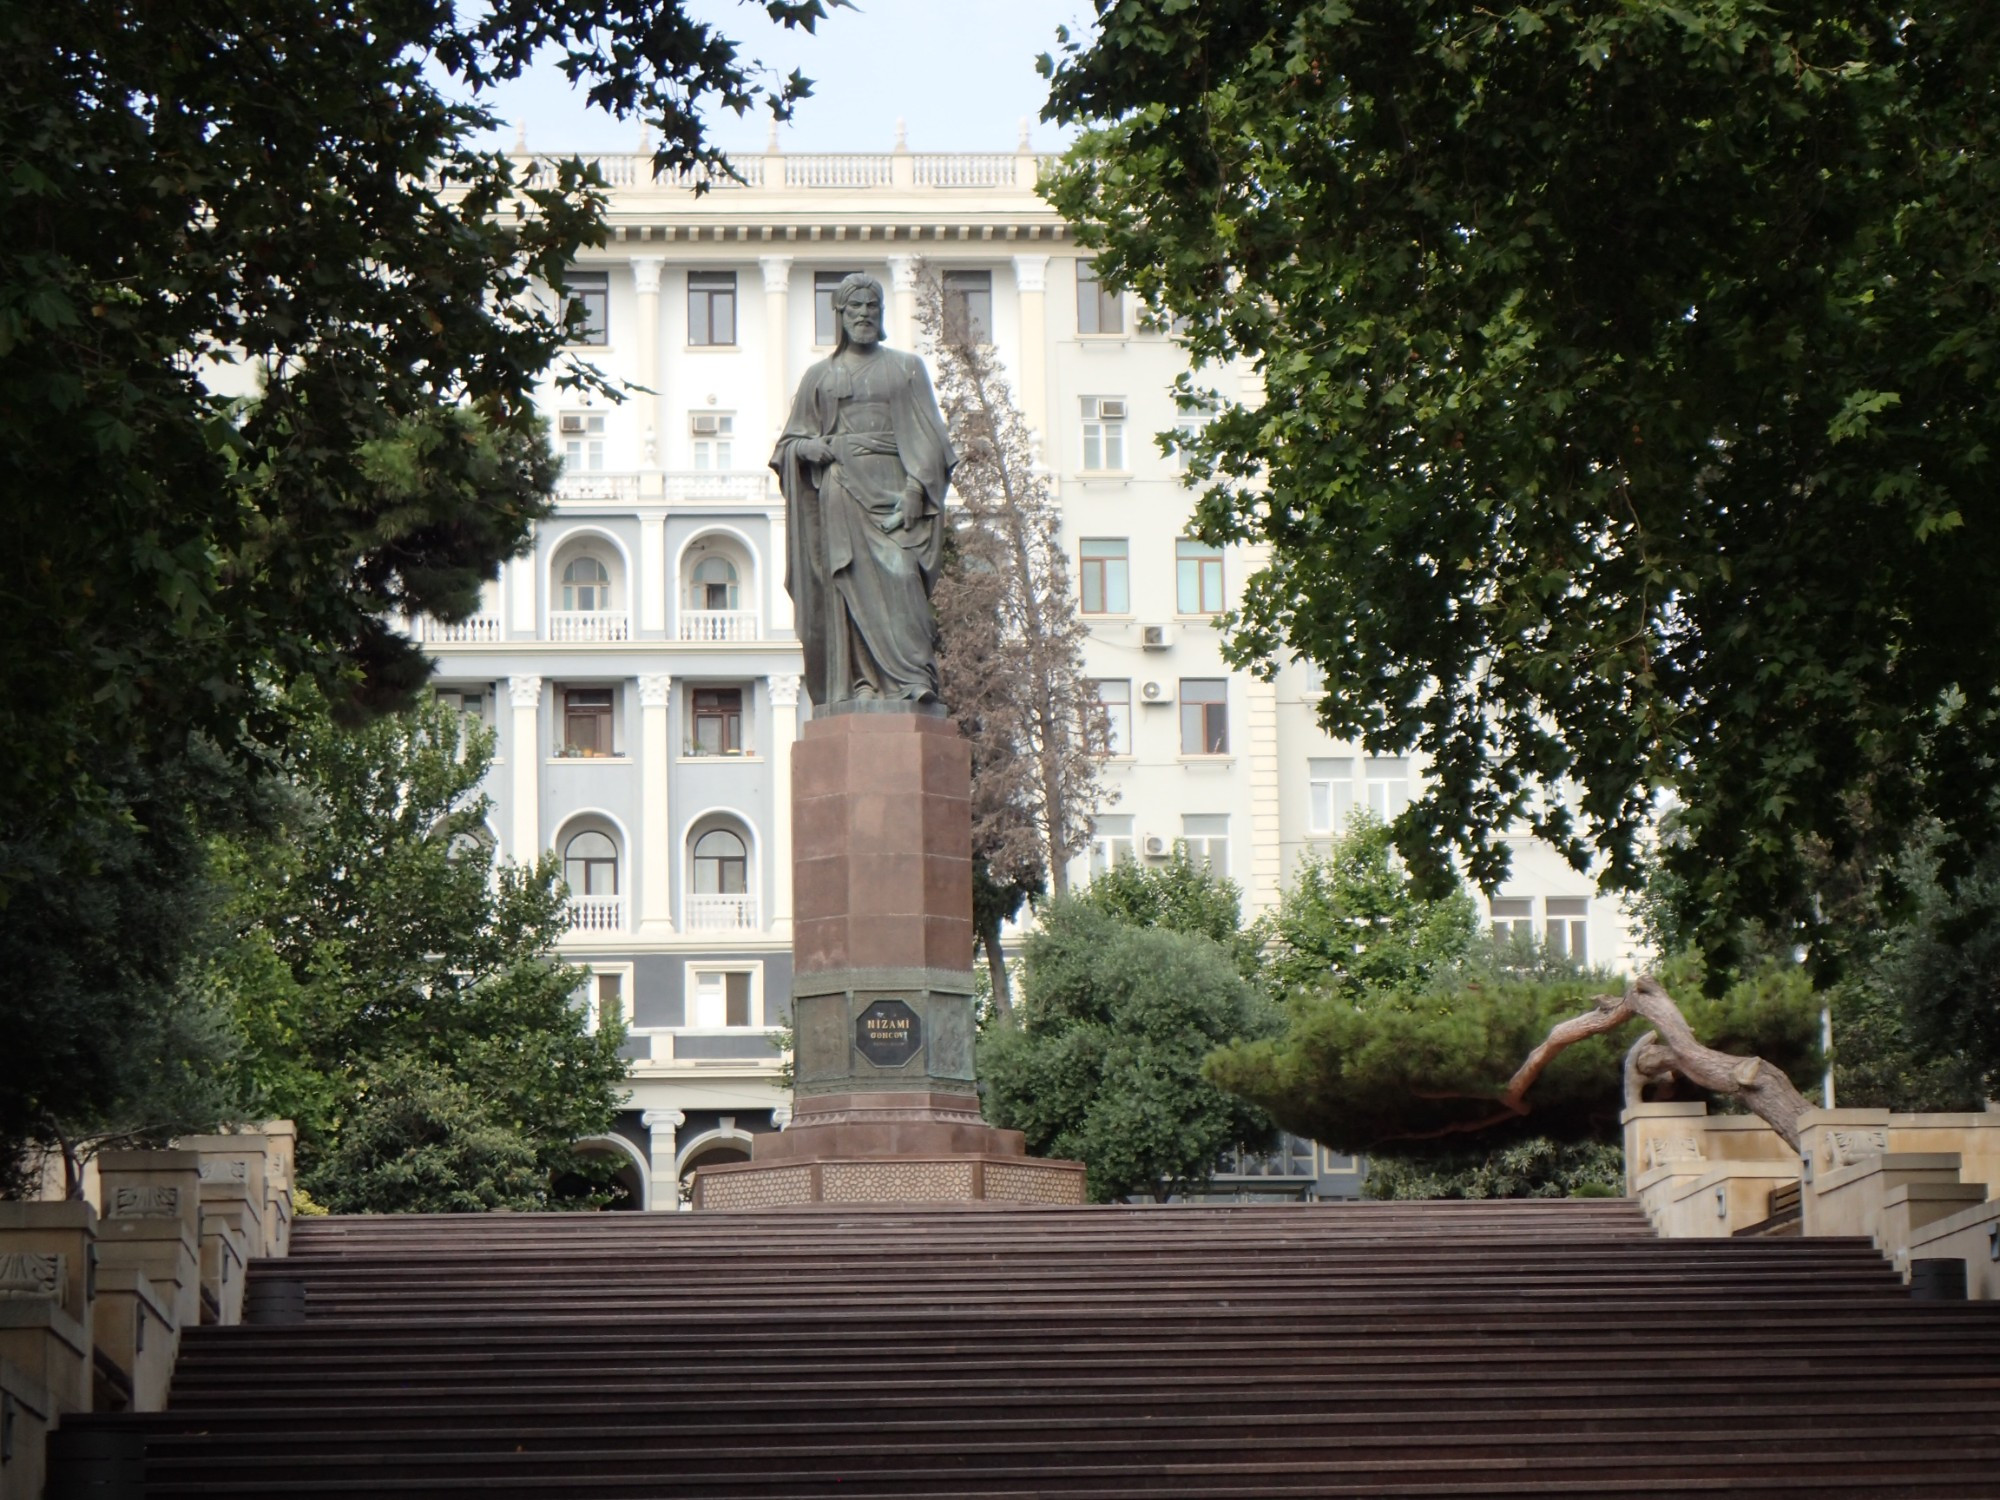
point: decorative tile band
(145, 1202)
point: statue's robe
(860, 580)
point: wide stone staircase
(1462, 1349)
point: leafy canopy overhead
(1626, 416)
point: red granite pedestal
(885, 1108)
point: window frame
(1206, 846)
(730, 738)
(1197, 562)
(964, 290)
(1110, 569)
(710, 290)
(712, 452)
(604, 715)
(722, 863)
(590, 290)
(593, 997)
(1211, 717)
(591, 862)
(753, 976)
(1109, 845)
(1117, 739)
(1104, 437)
(1092, 303)
(583, 449)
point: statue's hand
(913, 505)
(814, 451)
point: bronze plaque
(888, 1033)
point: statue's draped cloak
(862, 593)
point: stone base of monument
(884, 1108)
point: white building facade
(641, 671)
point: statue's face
(862, 318)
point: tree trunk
(996, 965)
(1671, 1049)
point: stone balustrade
(1918, 1186)
(93, 1297)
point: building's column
(664, 1127)
(646, 279)
(902, 334)
(780, 622)
(781, 1115)
(521, 594)
(777, 271)
(652, 610)
(655, 853)
(784, 729)
(1031, 280)
(525, 746)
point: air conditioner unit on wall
(1111, 411)
(1156, 637)
(1154, 691)
(1157, 846)
(707, 423)
(571, 422)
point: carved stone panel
(26, 1274)
(145, 1203)
(1672, 1148)
(225, 1169)
(1846, 1147)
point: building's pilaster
(652, 610)
(777, 271)
(663, 1127)
(1031, 280)
(524, 840)
(520, 587)
(655, 852)
(1266, 830)
(903, 302)
(646, 279)
(784, 693)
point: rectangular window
(587, 721)
(826, 327)
(589, 308)
(1106, 576)
(968, 306)
(1205, 836)
(718, 721)
(1329, 795)
(1097, 310)
(582, 440)
(1568, 928)
(1104, 432)
(471, 702)
(711, 307)
(1513, 918)
(1110, 841)
(610, 1001)
(1388, 785)
(722, 998)
(713, 433)
(1204, 716)
(1114, 695)
(1198, 578)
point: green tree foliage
(1180, 896)
(1102, 1061)
(1533, 1168)
(1351, 922)
(382, 955)
(420, 1142)
(268, 359)
(1626, 408)
(1429, 1060)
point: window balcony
(480, 630)
(590, 485)
(589, 625)
(596, 913)
(722, 914)
(717, 484)
(719, 625)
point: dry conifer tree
(1010, 643)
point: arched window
(713, 584)
(590, 865)
(586, 585)
(721, 864)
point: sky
(961, 73)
